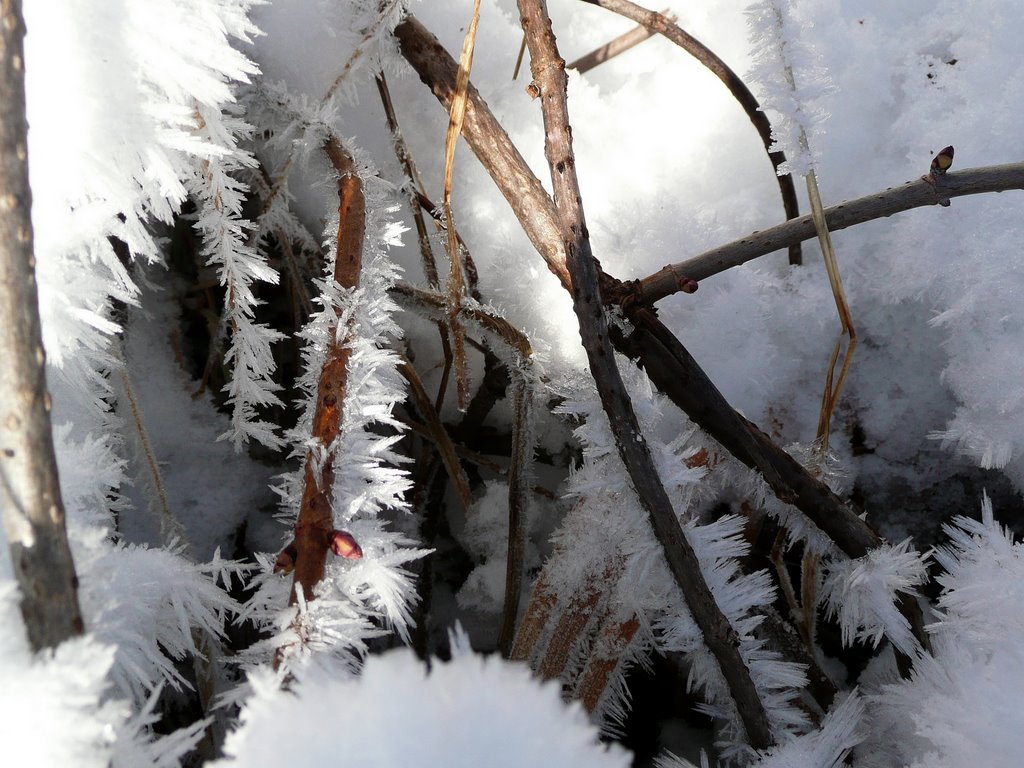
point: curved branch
(913, 194)
(666, 27)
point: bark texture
(30, 500)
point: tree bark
(30, 500)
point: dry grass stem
(456, 282)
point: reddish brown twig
(314, 528)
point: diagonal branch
(613, 48)
(913, 194)
(549, 77)
(665, 26)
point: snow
(169, 100)
(469, 711)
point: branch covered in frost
(913, 194)
(225, 234)
(314, 528)
(863, 594)
(549, 77)
(30, 498)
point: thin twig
(913, 194)
(315, 521)
(438, 433)
(663, 25)
(618, 46)
(417, 190)
(413, 175)
(721, 638)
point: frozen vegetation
(194, 287)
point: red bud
(343, 544)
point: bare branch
(913, 194)
(487, 139)
(549, 77)
(30, 499)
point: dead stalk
(456, 282)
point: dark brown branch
(661, 24)
(30, 500)
(486, 138)
(549, 77)
(615, 47)
(913, 194)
